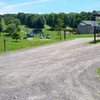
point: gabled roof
(97, 13)
(89, 23)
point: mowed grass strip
(25, 43)
(12, 45)
(98, 71)
(97, 41)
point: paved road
(62, 71)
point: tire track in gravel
(61, 71)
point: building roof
(96, 13)
(92, 23)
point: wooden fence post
(94, 34)
(64, 35)
(5, 45)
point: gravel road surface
(61, 71)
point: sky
(48, 6)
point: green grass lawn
(25, 43)
(98, 71)
(73, 36)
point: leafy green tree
(11, 29)
(22, 17)
(17, 22)
(41, 22)
(1, 27)
(51, 21)
(16, 36)
(9, 19)
(12, 25)
(32, 21)
(38, 21)
(59, 25)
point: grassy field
(29, 43)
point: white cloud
(7, 8)
(25, 3)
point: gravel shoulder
(61, 71)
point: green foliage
(17, 22)
(10, 19)
(16, 36)
(59, 24)
(71, 19)
(46, 27)
(41, 22)
(52, 20)
(12, 24)
(1, 27)
(11, 29)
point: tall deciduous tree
(11, 29)
(59, 25)
(16, 36)
(41, 22)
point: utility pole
(94, 29)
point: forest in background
(9, 22)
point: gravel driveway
(61, 71)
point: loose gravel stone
(61, 71)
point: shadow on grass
(15, 41)
(92, 42)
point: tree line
(9, 23)
(39, 20)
